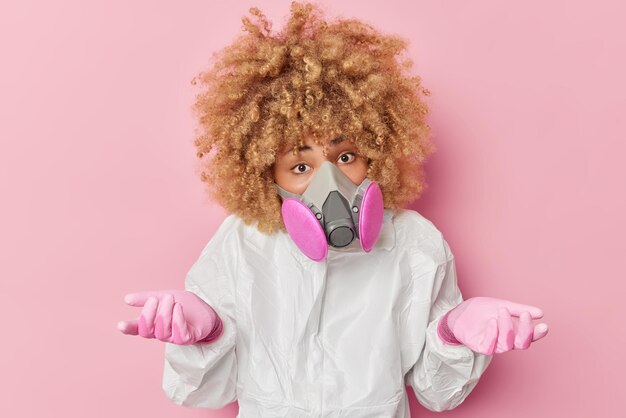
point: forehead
(310, 140)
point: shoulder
(233, 225)
(419, 236)
(411, 225)
(228, 247)
(235, 233)
(231, 231)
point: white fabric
(339, 338)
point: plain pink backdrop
(100, 196)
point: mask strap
(284, 193)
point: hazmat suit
(337, 338)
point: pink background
(100, 198)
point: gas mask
(332, 211)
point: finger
(525, 332)
(163, 323)
(140, 298)
(516, 309)
(488, 344)
(128, 327)
(540, 331)
(506, 336)
(146, 319)
(180, 331)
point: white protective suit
(338, 338)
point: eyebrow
(334, 142)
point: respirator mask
(332, 211)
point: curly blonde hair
(264, 92)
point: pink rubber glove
(489, 325)
(163, 317)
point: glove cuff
(215, 333)
(445, 333)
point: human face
(294, 172)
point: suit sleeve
(204, 375)
(444, 375)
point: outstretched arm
(204, 375)
(444, 375)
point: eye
(300, 168)
(346, 158)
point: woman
(292, 308)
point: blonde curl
(266, 90)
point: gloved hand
(489, 325)
(174, 316)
